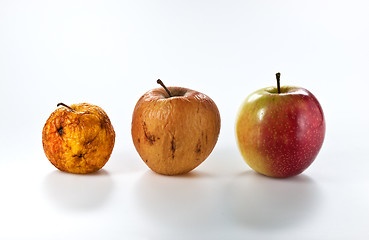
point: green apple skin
(280, 134)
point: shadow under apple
(78, 191)
(257, 201)
(175, 203)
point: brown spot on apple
(90, 140)
(102, 124)
(173, 146)
(60, 131)
(149, 137)
(198, 147)
(80, 155)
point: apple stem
(278, 76)
(166, 89)
(65, 105)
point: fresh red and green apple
(280, 130)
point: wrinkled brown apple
(78, 138)
(174, 129)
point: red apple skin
(173, 135)
(280, 134)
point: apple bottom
(283, 166)
(280, 152)
(171, 146)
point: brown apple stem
(65, 105)
(166, 89)
(278, 76)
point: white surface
(110, 52)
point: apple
(78, 138)
(174, 129)
(280, 130)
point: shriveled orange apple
(78, 138)
(174, 129)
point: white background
(111, 52)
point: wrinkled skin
(280, 135)
(173, 135)
(79, 140)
